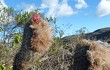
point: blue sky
(92, 14)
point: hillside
(102, 34)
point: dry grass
(91, 55)
(98, 55)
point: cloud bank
(56, 9)
(81, 4)
(103, 8)
(27, 7)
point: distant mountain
(102, 34)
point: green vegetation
(3, 67)
(11, 25)
(11, 29)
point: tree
(6, 20)
(81, 33)
(12, 22)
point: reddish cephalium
(36, 18)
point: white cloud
(44, 6)
(56, 9)
(3, 3)
(86, 14)
(81, 4)
(65, 10)
(27, 7)
(103, 8)
(49, 3)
